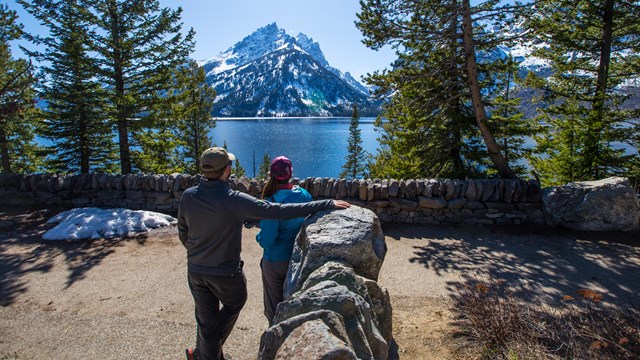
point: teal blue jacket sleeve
(268, 233)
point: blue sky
(219, 24)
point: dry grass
(498, 325)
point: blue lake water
(317, 147)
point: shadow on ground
(543, 263)
(22, 251)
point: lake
(317, 147)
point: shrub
(500, 325)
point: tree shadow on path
(547, 263)
(22, 251)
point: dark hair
(271, 186)
(217, 174)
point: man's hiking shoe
(191, 354)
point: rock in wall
(604, 205)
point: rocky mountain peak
(271, 73)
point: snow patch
(94, 223)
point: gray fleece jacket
(210, 218)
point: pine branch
(14, 79)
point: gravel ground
(128, 298)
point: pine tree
(157, 142)
(437, 113)
(237, 169)
(356, 159)
(509, 124)
(79, 131)
(181, 125)
(263, 172)
(138, 44)
(194, 104)
(158, 149)
(634, 167)
(586, 116)
(18, 115)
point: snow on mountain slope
(271, 73)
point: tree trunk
(481, 117)
(121, 106)
(84, 154)
(601, 89)
(85, 146)
(4, 148)
(455, 153)
(123, 139)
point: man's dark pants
(215, 323)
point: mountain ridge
(271, 73)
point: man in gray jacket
(210, 218)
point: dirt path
(128, 298)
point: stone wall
(421, 201)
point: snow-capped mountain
(271, 73)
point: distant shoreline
(287, 118)
(280, 117)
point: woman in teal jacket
(277, 237)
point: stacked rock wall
(421, 201)
(334, 307)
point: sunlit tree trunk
(481, 117)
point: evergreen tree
(181, 125)
(18, 115)
(263, 172)
(634, 167)
(356, 159)
(437, 113)
(158, 151)
(509, 124)
(138, 44)
(586, 117)
(79, 131)
(237, 169)
(428, 134)
(194, 102)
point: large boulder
(340, 272)
(291, 337)
(381, 306)
(375, 295)
(359, 319)
(352, 235)
(313, 340)
(604, 205)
